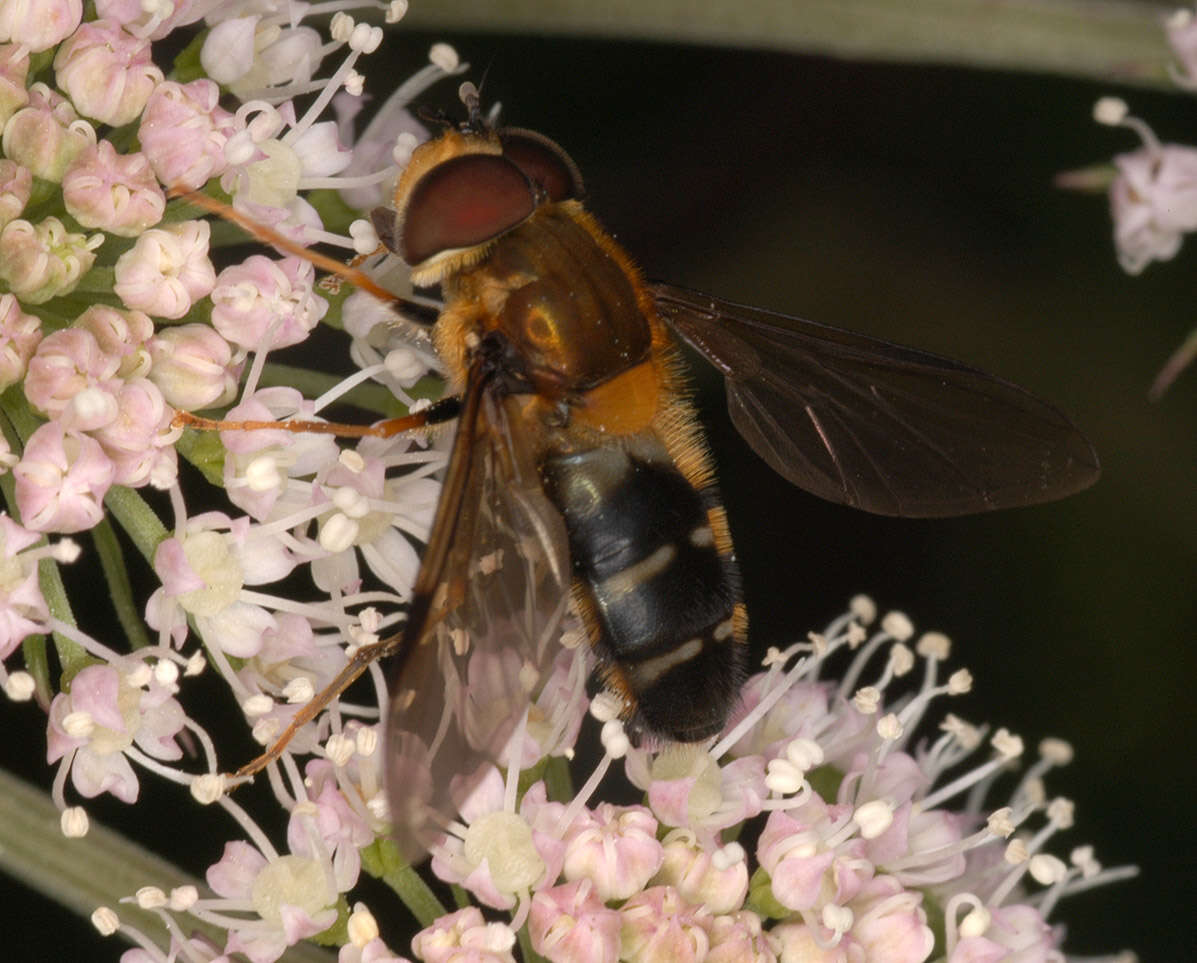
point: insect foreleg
(446, 409)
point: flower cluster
(812, 828)
(1153, 189)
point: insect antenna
(416, 311)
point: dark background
(917, 204)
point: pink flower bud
(14, 69)
(891, 926)
(65, 366)
(16, 184)
(228, 51)
(797, 941)
(183, 132)
(464, 937)
(615, 847)
(107, 73)
(1017, 931)
(193, 367)
(263, 304)
(42, 262)
(803, 871)
(117, 193)
(167, 270)
(1153, 202)
(139, 440)
(570, 924)
(19, 336)
(47, 135)
(23, 609)
(39, 24)
(121, 335)
(658, 926)
(62, 479)
(737, 938)
(248, 53)
(691, 870)
(320, 150)
(151, 20)
(689, 789)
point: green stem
(71, 655)
(558, 780)
(381, 859)
(415, 893)
(527, 954)
(138, 520)
(116, 575)
(1111, 40)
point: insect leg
(421, 619)
(446, 409)
(357, 664)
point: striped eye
(462, 203)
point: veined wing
(875, 425)
(484, 624)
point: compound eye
(385, 223)
(462, 203)
(545, 163)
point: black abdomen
(657, 594)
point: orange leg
(358, 664)
(444, 410)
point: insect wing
(484, 625)
(875, 425)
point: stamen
(105, 920)
(1113, 112)
(74, 822)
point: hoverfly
(578, 472)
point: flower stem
(136, 517)
(527, 954)
(381, 859)
(1111, 40)
(116, 575)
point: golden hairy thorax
(573, 308)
